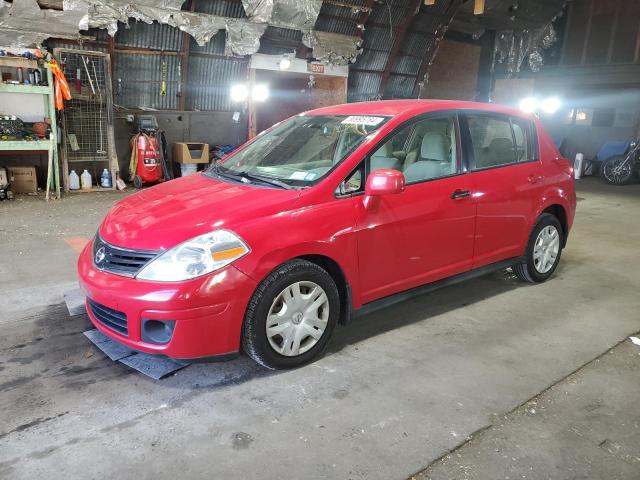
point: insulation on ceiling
(512, 48)
(23, 23)
(293, 14)
(333, 48)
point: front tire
(617, 170)
(291, 316)
(543, 250)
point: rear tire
(543, 251)
(137, 182)
(299, 299)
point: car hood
(163, 216)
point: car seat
(499, 152)
(434, 160)
(384, 158)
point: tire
(137, 182)
(294, 282)
(532, 269)
(612, 173)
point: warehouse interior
(101, 100)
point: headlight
(195, 257)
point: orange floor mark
(76, 243)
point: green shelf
(24, 145)
(11, 88)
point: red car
(326, 215)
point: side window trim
(514, 141)
(533, 153)
(361, 166)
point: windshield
(302, 150)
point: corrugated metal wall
(209, 82)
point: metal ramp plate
(152, 366)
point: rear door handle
(460, 194)
(534, 178)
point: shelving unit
(50, 145)
(88, 116)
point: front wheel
(617, 170)
(291, 315)
(543, 250)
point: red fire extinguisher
(146, 160)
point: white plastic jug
(85, 180)
(74, 181)
(577, 166)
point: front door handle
(460, 194)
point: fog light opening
(157, 331)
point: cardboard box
(190, 152)
(23, 179)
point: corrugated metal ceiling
(209, 73)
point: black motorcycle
(622, 169)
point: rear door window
(492, 140)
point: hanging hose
(133, 163)
(168, 172)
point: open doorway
(293, 92)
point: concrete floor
(398, 389)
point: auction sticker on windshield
(363, 120)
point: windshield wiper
(249, 177)
(271, 181)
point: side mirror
(384, 182)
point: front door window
(424, 150)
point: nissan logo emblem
(100, 255)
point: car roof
(412, 107)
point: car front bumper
(206, 313)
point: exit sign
(315, 67)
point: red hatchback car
(328, 214)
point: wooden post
(478, 7)
(184, 63)
(53, 150)
(250, 105)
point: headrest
(501, 145)
(434, 147)
(385, 150)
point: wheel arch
(560, 213)
(341, 268)
(337, 274)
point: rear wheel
(291, 315)
(617, 170)
(543, 250)
(137, 181)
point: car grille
(109, 317)
(121, 261)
